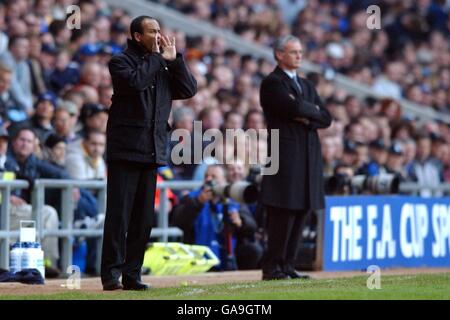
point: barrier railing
(5, 190)
(414, 188)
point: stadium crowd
(55, 88)
(407, 57)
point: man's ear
(137, 36)
(278, 55)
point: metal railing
(5, 190)
(415, 188)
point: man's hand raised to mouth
(168, 46)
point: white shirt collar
(291, 74)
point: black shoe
(113, 285)
(293, 274)
(135, 285)
(277, 275)
(52, 273)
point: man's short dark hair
(220, 166)
(422, 135)
(17, 133)
(252, 112)
(88, 135)
(228, 114)
(14, 39)
(136, 25)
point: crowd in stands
(55, 91)
(407, 57)
(414, 37)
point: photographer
(395, 161)
(340, 182)
(202, 217)
(345, 182)
(378, 153)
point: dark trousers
(248, 255)
(284, 231)
(130, 210)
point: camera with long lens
(379, 184)
(241, 191)
(338, 184)
(246, 191)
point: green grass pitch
(420, 286)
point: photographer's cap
(396, 149)
(378, 144)
(89, 49)
(349, 146)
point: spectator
(60, 33)
(423, 170)
(105, 95)
(55, 150)
(254, 119)
(22, 161)
(349, 156)
(249, 244)
(64, 122)
(328, 154)
(378, 156)
(183, 118)
(66, 73)
(362, 155)
(7, 101)
(4, 137)
(354, 131)
(39, 68)
(93, 117)
(409, 150)
(391, 109)
(90, 74)
(16, 57)
(82, 166)
(88, 164)
(233, 120)
(395, 161)
(445, 158)
(387, 84)
(353, 107)
(211, 118)
(40, 122)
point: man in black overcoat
(146, 77)
(292, 106)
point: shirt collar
(291, 74)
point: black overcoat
(298, 185)
(144, 86)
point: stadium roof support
(174, 20)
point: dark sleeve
(326, 118)
(49, 171)
(185, 213)
(277, 100)
(411, 172)
(129, 78)
(249, 225)
(182, 83)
